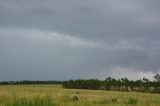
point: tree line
(112, 84)
(29, 82)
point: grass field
(55, 95)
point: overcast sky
(70, 39)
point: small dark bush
(75, 98)
(114, 100)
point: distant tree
(132, 85)
(108, 83)
(139, 85)
(125, 82)
(119, 84)
(157, 77)
(146, 84)
(157, 83)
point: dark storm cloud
(78, 38)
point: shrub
(75, 98)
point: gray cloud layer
(55, 39)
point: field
(55, 95)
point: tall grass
(36, 101)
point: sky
(79, 39)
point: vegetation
(56, 95)
(29, 82)
(98, 93)
(36, 101)
(111, 84)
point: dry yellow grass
(63, 97)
